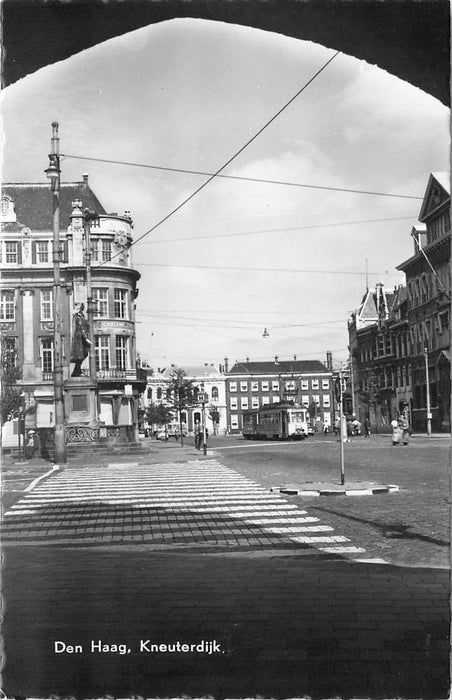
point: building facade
(251, 385)
(27, 305)
(428, 284)
(400, 340)
(380, 357)
(206, 378)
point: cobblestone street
(249, 592)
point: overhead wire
(284, 183)
(265, 269)
(231, 159)
(279, 230)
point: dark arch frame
(408, 38)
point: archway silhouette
(408, 39)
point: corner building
(27, 306)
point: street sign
(202, 397)
(337, 390)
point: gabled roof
(279, 367)
(33, 202)
(437, 193)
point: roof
(206, 370)
(280, 367)
(33, 202)
(435, 198)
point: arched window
(214, 393)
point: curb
(38, 480)
(344, 491)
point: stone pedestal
(80, 407)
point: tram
(276, 422)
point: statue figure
(80, 341)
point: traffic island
(328, 488)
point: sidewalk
(277, 627)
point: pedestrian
(366, 428)
(404, 428)
(337, 426)
(325, 427)
(198, 435)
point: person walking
(366, 428)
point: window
(254, 386)
(106, 250)
(9, 352)
(326, 400)
(42, 251)
(47, 354)
(232, 386)
(305, 399)
(233, 403)
(11, 252)
(290, 385)
(315, 384)
(265, 400)
(121, 303)
(102, 352)
(244, 403)
(7, 306)
(100, 298)
(149, 394)
(275, 385)
(255, 402)
(275, 399)
(215, 395)
(159, 393)
(234, 422)
(316, 399)
(325, 383)
(264, 386)
(46, 305)
(304, 384)
(121, 352)
(94, 249)
(243, 386)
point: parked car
(311, 430)
(171, 430)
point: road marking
(176, 505)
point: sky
(240, 256)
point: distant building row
(250, 385)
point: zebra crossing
(199, 505)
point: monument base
(80, 407)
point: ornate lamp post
(53, 173)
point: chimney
(276, 359)
(226, 365)
(247, 359)
(85, 178)
(329, 360)
(295, 358)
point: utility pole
(88, 217)
(53, 173)
(427, 389)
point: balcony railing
(114, 375)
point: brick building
(250, 385)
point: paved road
(409, 527)
(185, 552)
(197, 504)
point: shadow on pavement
(284, 627)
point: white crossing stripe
(167, 506)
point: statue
(80, 341)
